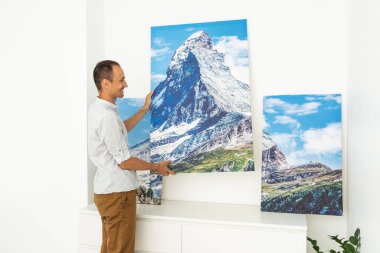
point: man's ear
(105, 84)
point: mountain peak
(199, 39)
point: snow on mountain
(267, 142)
(142, 150)
(197, 72)
(200, 105)
(228, 92)
(170, 146)
(229, 136)
(273, 159)
(173, 131)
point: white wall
(43, 124)
(95, 54)
(295, 47)
(363, 121)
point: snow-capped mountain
(272, 157)
(198, 81)
(200, 105)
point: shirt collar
(106, 103)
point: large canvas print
(201, 108)
(302, 154)
(150, 188)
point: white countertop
(215, 213)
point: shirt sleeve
(111, 133)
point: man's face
(118, 83)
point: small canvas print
(201, 107)
(150, 188)
(302, 154)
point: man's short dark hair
(103, 70)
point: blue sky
(306, 127)
(224, 34)
(126, 108)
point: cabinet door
(88, 249)
(155, 236)
(227, 239)
(90, 230)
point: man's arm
(132, 121)
(111, 133)
(134, 163)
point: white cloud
(235, 55)
(159, 52)
(323, 140)
(310, 98)
(286, 120)
(136, 102)
(190, 29)
(332, 108)
(159, 41)
(271, 104)
(270, 110)
(336, 98)
(297, 157)
(304, 109)
(265, 123)
(286, 142)
(156, 77)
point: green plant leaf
(336, 239)
(353, 240)
(313, 242)
(357, 232)
(349, 248)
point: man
(115, 181)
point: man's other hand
(162, 168)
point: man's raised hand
(148, 101)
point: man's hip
(118, 214)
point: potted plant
(352, 245)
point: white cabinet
(90, 229)
(227, 239)
(157, 236)
(89, 249)
(194, 227)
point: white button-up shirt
(108, 147)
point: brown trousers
(118, 213)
